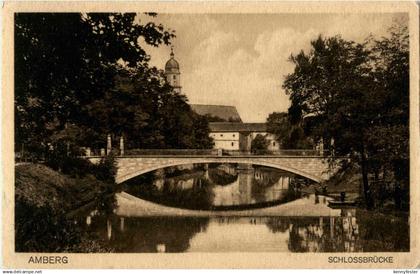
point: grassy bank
(43, 200)
(39, 186)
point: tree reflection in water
(191, 193)
(379, 232)
(318, 234)
(223, 174)
(354, 231)
(149, 234)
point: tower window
(232, 143)
(174, 77)
(233, 135)
(274, 144)
(221, 135)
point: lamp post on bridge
(121, 145)
(108, 144)
(321, 147)
(332, 142)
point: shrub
(106, 169)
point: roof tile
(237, 127)
(225, 112)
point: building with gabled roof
(227, 113)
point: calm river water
(234, 188)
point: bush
(106, 169)
(259, 145)
(70, 165)
(77, 167)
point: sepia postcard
(210, 135)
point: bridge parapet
(220, 152)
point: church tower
(172, 72)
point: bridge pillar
(108, 144)
(321, 147)
(332, 147)
(121, 145)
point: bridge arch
(142, 169)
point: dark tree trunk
(365, 180)
(397, 196)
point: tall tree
(330, 84)
(352, 92)
(91, 72)
(390, 58)
(290, 134)
(259, 144)
(148, 112)
(64, 61)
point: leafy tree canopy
(259, 144)
(355, 94)
(289, 134)
(90, 71)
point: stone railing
(214, 152)
(171, 152)
(220, 152)
(282, 152)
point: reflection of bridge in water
(314, 167)
(132, 206)
(209, 186)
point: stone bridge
(315, 168)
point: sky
(242, 59)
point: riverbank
(332, 188)
(350, 182)
(43, 200)
(39, 185)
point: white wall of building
(225, 140)
(230, 140)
